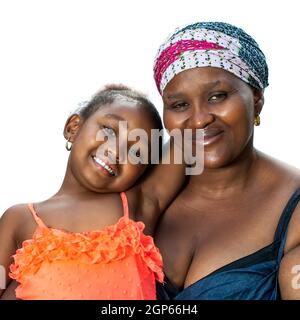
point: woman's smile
(211, 136)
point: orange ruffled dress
(118, 262)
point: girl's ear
(72, 126)
(259, 100)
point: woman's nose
(200, 118)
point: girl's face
(87, 162)
(218, 102)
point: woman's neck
(228, 180)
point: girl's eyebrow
(114, 116)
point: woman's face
(218, 102)
(86, 159)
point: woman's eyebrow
(208, 85)
(173, 96)
(211, 85)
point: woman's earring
(257, 120)
(68, 145)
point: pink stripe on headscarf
(173, 52)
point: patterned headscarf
(211, 44)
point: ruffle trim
(113, 243)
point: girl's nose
(113, 154)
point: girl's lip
(113, 169)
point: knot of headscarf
(211, 44)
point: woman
(234, 231)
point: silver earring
(68, 145)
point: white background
(54, 54)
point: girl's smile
(109, 169)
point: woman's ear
(259, 100)
(72, 126)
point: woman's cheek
(174, 120)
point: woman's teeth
(104, 165)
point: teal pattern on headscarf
(249, 51)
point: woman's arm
(289, 275)
(289, 272)
(8, 223)
(160, 186)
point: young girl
(88, 240)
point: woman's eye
(217, 97)
(179, 106)
(108, 131)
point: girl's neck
(71, 186)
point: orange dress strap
(37, 219)
(125, 204)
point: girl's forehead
(125, 101)
(121, 107)
(134, 113)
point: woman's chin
(214, 161)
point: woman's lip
(211, 137)
(211, 132)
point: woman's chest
(196, 242)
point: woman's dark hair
(111, 93)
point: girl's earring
(68, 145)
(257, 120)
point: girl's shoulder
(15, 214)
(22, 220)
(15, 219)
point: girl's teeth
(99, 161)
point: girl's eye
(136, 155)
(135, 152)
(218, 97)
(108, 131)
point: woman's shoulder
(280, 172)
(286, 181)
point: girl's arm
(8, 224)
(10, 291)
